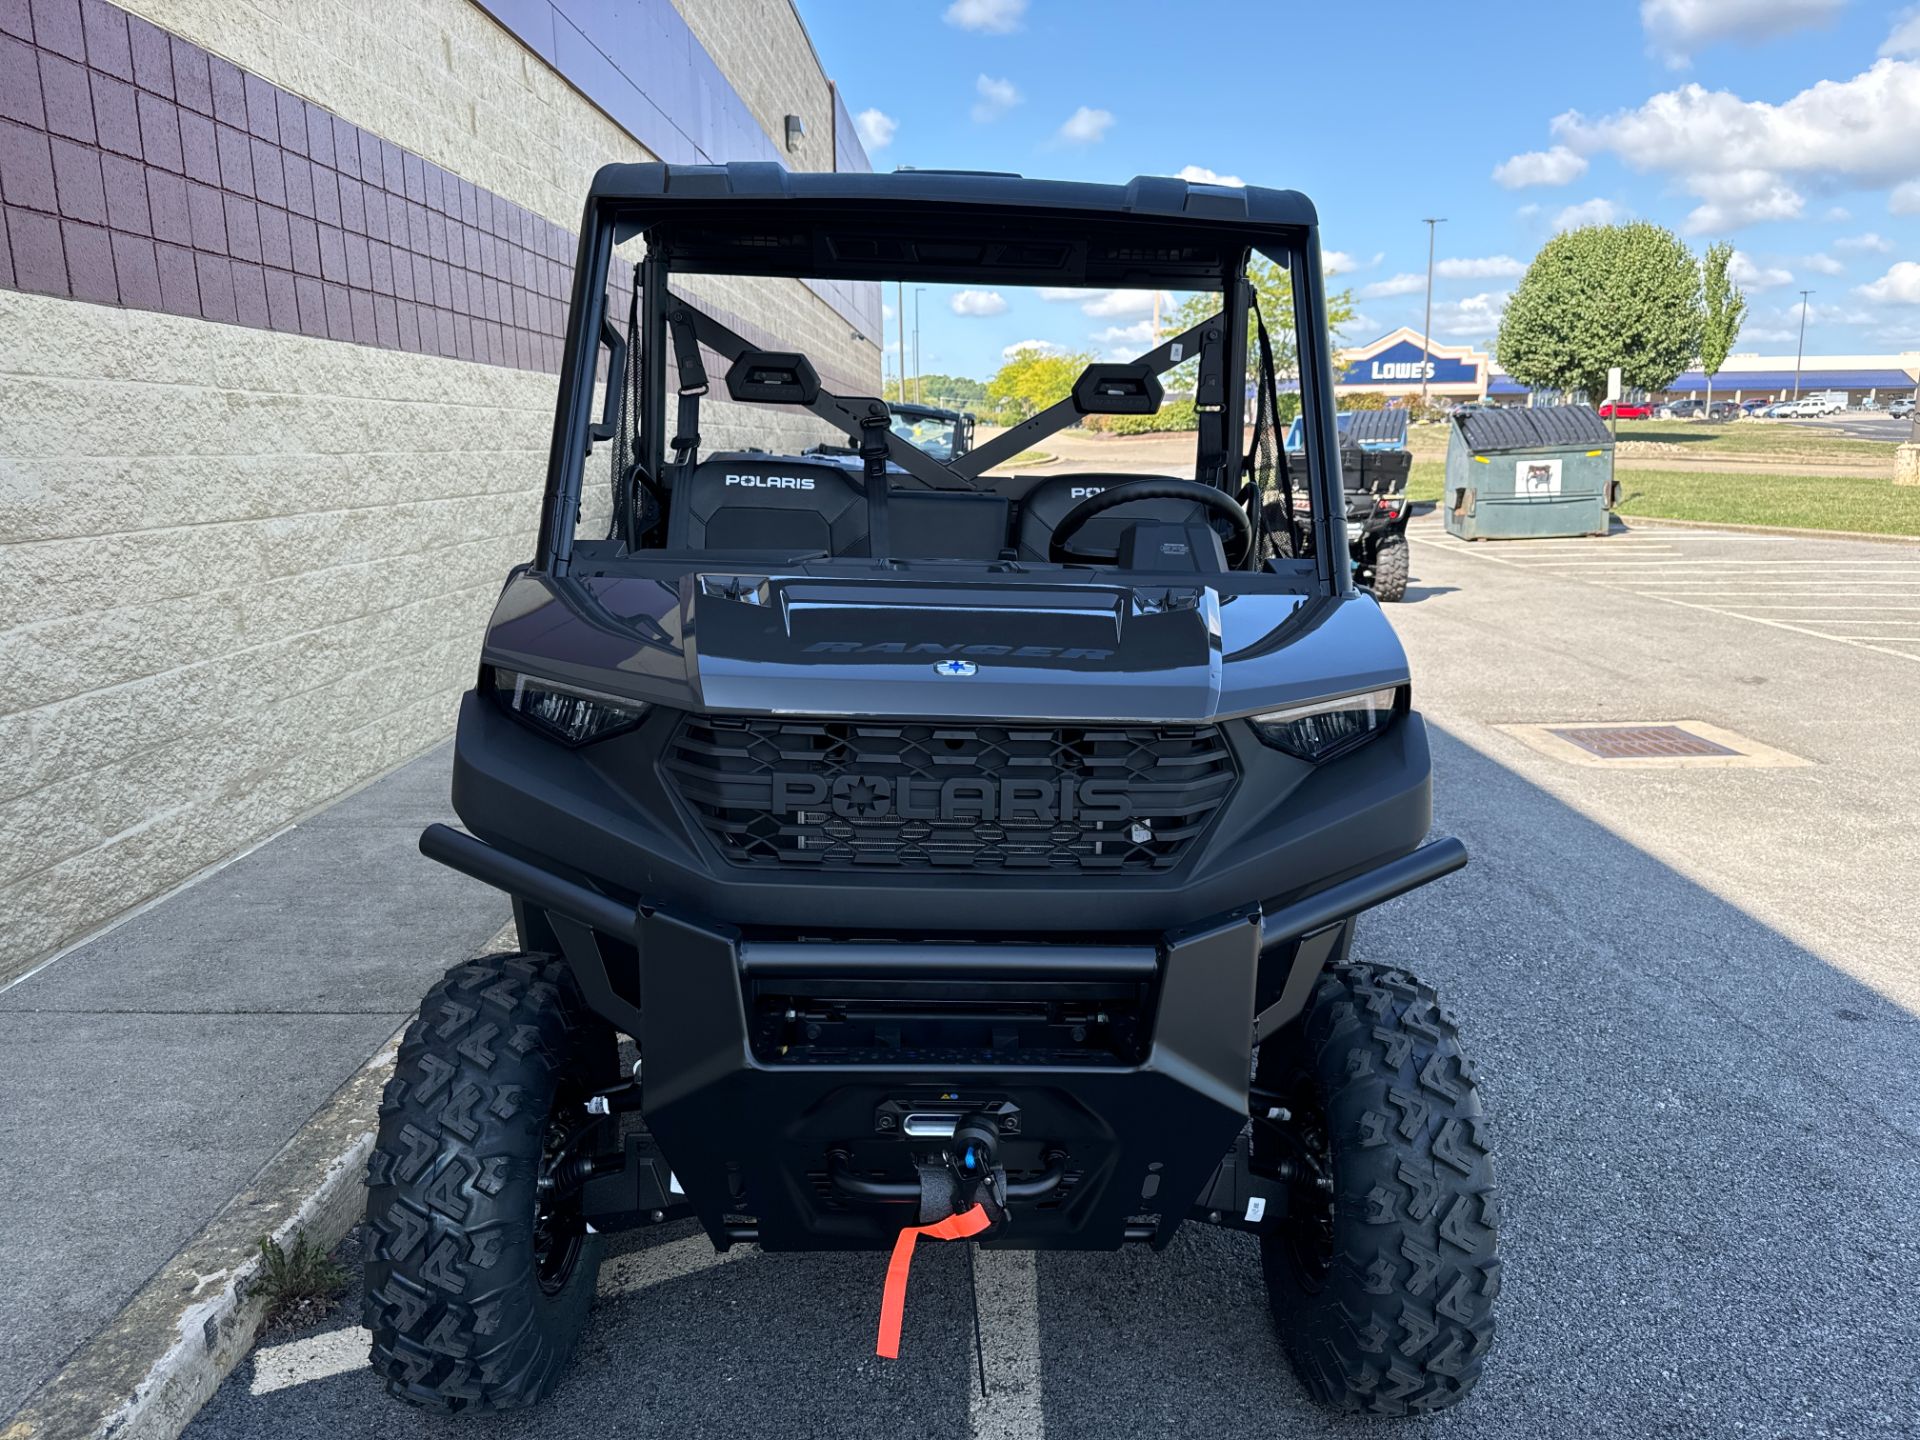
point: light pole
(918, 291)
(900, 327)
(1426, 331)
(1798, 354)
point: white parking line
(1009, 1282)
(1689, 581)
(312, 1357)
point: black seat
(774, 503)
(1049, 501)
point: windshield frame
(610, 222)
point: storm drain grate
(1640, 742)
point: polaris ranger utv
(904, 847)
(1374, 465)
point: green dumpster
(1538, 471)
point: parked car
(1625, 410)
(1679, 410)
(1901, 409)
(1725, 410)
(1755, 407)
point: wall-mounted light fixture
(796, 132)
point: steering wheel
(1238, 545)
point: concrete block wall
(246, 552)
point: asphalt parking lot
(1694, 996)
(1863, 425)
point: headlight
(565, 712)
(1322, 729)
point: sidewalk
(150, 1074)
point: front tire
(1383, 1274)
(1390, 569)
(477, 1281)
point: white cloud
(1486, 267)
(1822, 264)
(1677, 29)
(1877, 244)
(1839, 214)
(1740, 197)
(1905, 199)
(1558, 166)
(1751, 276)
(1473, 317)
(1040, 347)
(1340, 262)
(1085, 126)
(1359, 324)
(990, 17)
(996, 98)
(1899, 286)
(1905, 36)
(1106, 304)
(1201, 175)
(979, 302)
(1744, 159)
(1596, 211)
(876, 128)
(1122, 304)
(1138, 334)
(1404, 284)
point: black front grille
(861, 795)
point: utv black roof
(758, 217)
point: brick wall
(279, 295)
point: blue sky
(1790, 127)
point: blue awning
(1506, 385)
(1695, 380)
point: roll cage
(935, 227)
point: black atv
(1374, 464)
(899, 847)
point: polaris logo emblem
(772, 482)
(1084, 492)
(884, 797)
(954, 667)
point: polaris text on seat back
(903, 838)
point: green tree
(1604, 295)
(1032, 380)
(949, 392)
(1724, 310)
(1274, 288)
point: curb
(1658, 520)
(150, 1370)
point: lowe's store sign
(1406, 362)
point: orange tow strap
(893, 1301)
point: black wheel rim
(559, 1228)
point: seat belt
(693, 384)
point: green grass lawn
(1811, 502)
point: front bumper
(777, 1074)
